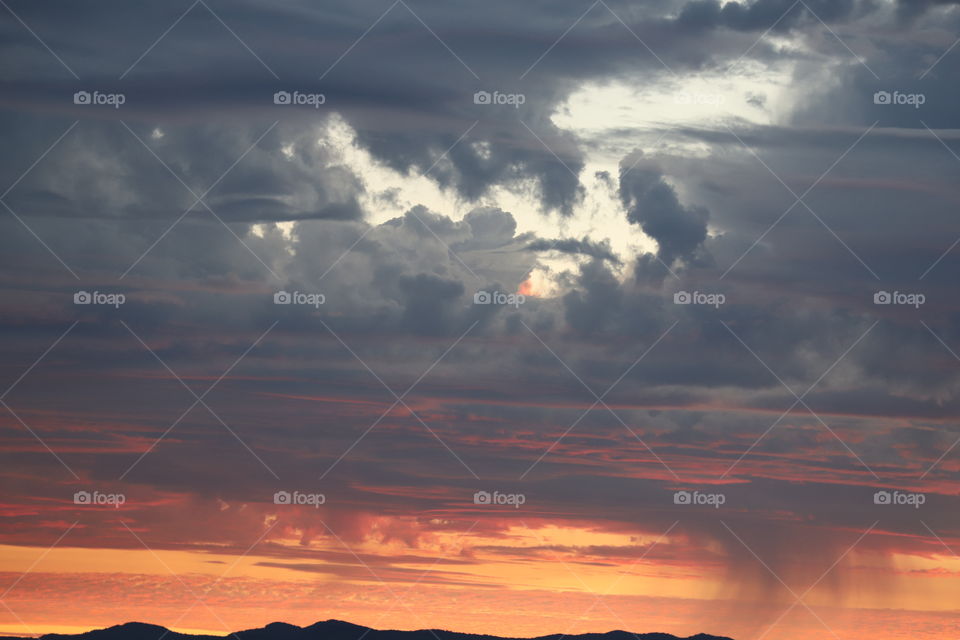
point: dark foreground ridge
(338, 630)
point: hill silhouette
(336, 630)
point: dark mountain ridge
(336, 630)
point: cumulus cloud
(653, 204)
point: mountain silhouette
(336, 630)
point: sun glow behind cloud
(517, 568)
(597, 114)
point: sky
(500, 317)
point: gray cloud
(399, 293)
(576, 247)
(653, 204)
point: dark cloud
(573, 246)
(653, 204)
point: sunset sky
(500, 317)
